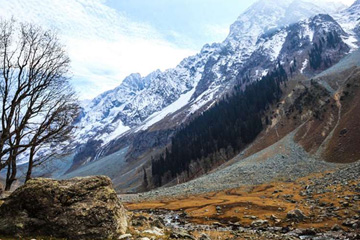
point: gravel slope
(285, 160)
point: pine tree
(146, 183)
(226, 128)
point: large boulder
(80, 208)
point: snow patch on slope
(203, 99)
(352, 42)
(117, 132)
(308, 31)
(274, 45)
(175, 106)
(304, 65)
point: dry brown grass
(261, 201)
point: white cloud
(104, 45)
(218, 32)
(346, 2)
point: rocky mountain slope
(142, 113)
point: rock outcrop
(80, 208)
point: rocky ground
(319, 206)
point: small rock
(259, 223)
(125, 237)
(181, 234)
(159, 223)
(355, 224)
(155, 231)
(204, 237)
(285, 230)
(343, 132)
(336, 228)
(139, 221)
(275, 219)
(217, 224)
(301, 233)
(308, 232)
(296, 214)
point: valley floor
(328, 205)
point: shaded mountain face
(143, 112)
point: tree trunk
(28, 173)
(7, 176)
(31, 164)
(10, 178)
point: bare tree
(38, 104)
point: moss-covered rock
(80, 208)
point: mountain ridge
(135, 119)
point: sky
(108, 40)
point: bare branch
(38, 104)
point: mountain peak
(264, 15)
(134, 82)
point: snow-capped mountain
(138, 98)
(268, 33)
